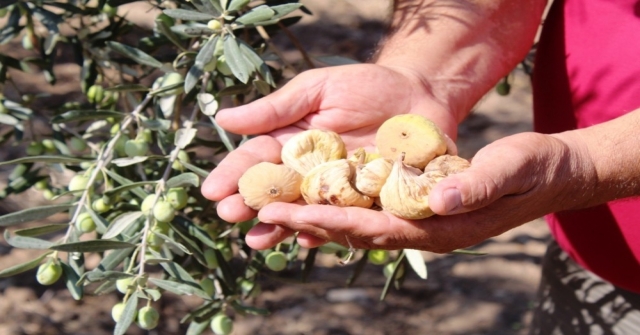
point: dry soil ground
(463, 295)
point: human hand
(543, 174)
(352, 100)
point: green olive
(95, 94)
(183, 156)
(49, 145)
(34, 148)
(116, 311)
(78, 183)
(250, 288)
(85, 223)
(207, 285)
(223, 67)
(389, 268)
(378, 257)
(219, 49)
(41, 185)
(120, 145)
(148, 317)
(276, 261)
(27, 43)
(110, 11)
(77, 144)
(100, 206)
(211, 259)
(214, 24)
(3, 108)
(147, 203)
(177, 197)
(49, 273)
(122, 284)
(133, 148)
(171, 79)
(163, 211)
(221, 324)
(48, 194)
(223, 246)
(154, 240)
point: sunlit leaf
(71, 278)
(134, 53)
(41, 230)
(84, 115)
(184, 137)
(184, 180)
(179, 288)
(207, 103)
(239, 66)
(189, 15)
(121, 223)
(128, 315)
(256, 14)
(92, 246)
(417, 262)
(25, 242)
(45, 159)
(23, 267)
(32, 214)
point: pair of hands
(510, 182)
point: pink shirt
(587, 72)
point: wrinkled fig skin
(330, 183)
(312, 147)
(416, 137)
(370, 177)
(266, 182)
(447, 164)
(405, 194)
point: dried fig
(414, 135)
(405, 194)
(370, 177)
(266, 182)
(310, 148)
(331, 183)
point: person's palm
(352, 100)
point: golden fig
(447, 164)
(360, 156)
(405, 194)
(266, 182)
(414, 135)
(310, 148)
(331, 183)
(370, 177)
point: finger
(223, 180)
(264, 236)
(487, 180)
(287, 105)
(310, 241)
(233, 209)
(327, 222)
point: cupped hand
(510, 182)
(352, 100)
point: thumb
(476, 187)
(292, 102)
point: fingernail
(452, 200)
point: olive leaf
(189, 15)
(92, 246)
(184, 137)
(256, 14)
(120, 223)
(128, 315)
(136, 54)
(84, 115)
(183, 180)
(238, 64)
(32, 214)
(179, 288)
(23, 267)
(417, 262)
(26, 242)
(41, 230)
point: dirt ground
(464, 295)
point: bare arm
(459, 49)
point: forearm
(460, 48)
(612, 149)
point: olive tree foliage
(129, 150)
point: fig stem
(350, 254)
